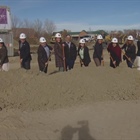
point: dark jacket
(58, 51)
(115, 52)
(25, 51)
(86, 59)
(3, 55)
(70, 52)
(98, 50)
(138, 45)
(130, 50)
(42, 56)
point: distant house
(83, 34)
(78, 35)
(74, 35)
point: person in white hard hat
(138, 54)
(59, 53)
(83, 53)
(70, 52)
(4, 61)
(115, 53)
(129, 51)
(44, 54)
(24, 52)
(98, 51)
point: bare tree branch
(16, 22)
(28, 24)
(49, 26)
(38, 27)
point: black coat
(86, 59)
(70, 52)
(130, 50)
(42, 57)
(25, 51)
(138, 45)
(3, 55)
(98, 51)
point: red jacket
(115, 52)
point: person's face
(22, 40)
(100, 41)
(43, 44)
(58, 39)
(114, 44)
(130, 41)
(82, 44)
(68, 38)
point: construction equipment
(52, 41)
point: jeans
(69, 64)
(130, 64)
(26, 65)
(97, 61)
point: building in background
(6, 29)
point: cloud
(86, 26)
(123, 15)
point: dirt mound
(31, 90)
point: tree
(28, 24)
(16, 23)
(64, 33)
(38, 27)
(49, 26)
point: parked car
(87, 38)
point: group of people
(128, 50)
(66, 53)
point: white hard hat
(130, 37)
(58, 35)
(22, 36)
(42, 40)
(82, 41)
(114, 40)
(99, 37)
(1, 40)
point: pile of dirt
(31, 90)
